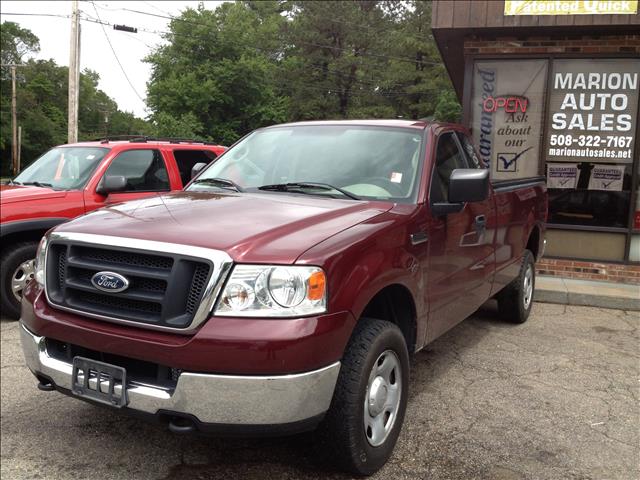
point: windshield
(368, 162)
(64, 168)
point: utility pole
(74, 74)
(19, 149)
(15, 153)
(14, 123)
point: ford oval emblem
(110, 282)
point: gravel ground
(554, 398)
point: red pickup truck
(286, 288)
(71, 180)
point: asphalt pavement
(557, 397)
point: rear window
(186, 159)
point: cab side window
(448, 158)
(144, 170)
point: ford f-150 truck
(71, 180)
(286, 288)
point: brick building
(551, 88)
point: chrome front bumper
(212, 399)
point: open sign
(510, 104)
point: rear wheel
(516, 299)
(362, 425)
(16, 270)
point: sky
(95, 52)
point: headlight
(39, 262)
(271, 291)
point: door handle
(418, 238)
(481, 224)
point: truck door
(461, 245)
(145, 172)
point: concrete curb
(569, 291)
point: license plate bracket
(99, 381)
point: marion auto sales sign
(593, 109)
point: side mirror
(197, 168)
(469, 185)
(110, 184)
(465, 185)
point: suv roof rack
(145, 139)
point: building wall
(610, 272)
(547, 44)
(569, 247)
(484, 14)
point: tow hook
(45, 387)
(181, 425)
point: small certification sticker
(90, 157)
(396, 177)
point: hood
(259, 228)
(20, 193)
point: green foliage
(16, 42)
(448, 108)
(244, 65)
(250, 64)
(209, 82)
(42, 102)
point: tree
(16, 42)
(215, 78)
(42, 102)
(448, 108)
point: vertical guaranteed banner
(570, 7)
(593, 110)
(507, 106)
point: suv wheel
(362, 425)
(16, 270)
(516, 299)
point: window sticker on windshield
(396, 177)
(90, 157)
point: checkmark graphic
(564, 182)
(507, 161)
(606, 185)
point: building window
(589, 144)
(507, 111)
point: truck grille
(166, 290)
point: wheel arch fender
(27, 230)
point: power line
(116, 56)
(35, 14)
(330, 47)
(366, 82)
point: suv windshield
(365, 161)
(64, 168)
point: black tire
(343, 439)
(12, 257)
(516, 299)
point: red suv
(71, 180)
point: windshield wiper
(220, 182)
(38, 184)
(287, 187)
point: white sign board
(562, 175)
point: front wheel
(516, 299)
(362, 425)
(16, 270)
